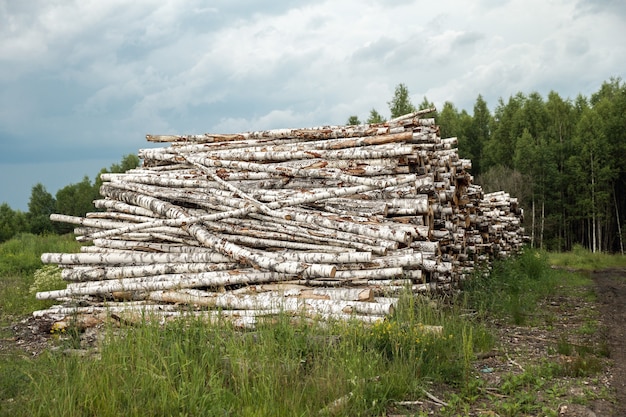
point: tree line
(73, 199)
(563, 159)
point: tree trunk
(619, 226)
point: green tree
(479, 133)
(40, 206)
(559, 133)
(426, 104)
(501, 178)
(506, 129)
(75, 200)
(353, 120)
(375, 117)
(596, 176)
(11, 222)
(525, 159)
(401, 104)
(127, 163)
(448, 121)
(610, 104)
(464, 126)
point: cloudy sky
(83, 81)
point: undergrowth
(19, 261)
(288, 365)
(583, 259)
(512, 288)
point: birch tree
(559, 132)
(401, 104)
(507, 128)
(40, 206)
(375, 117)
(478, 134)
(353, 120)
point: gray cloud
(616, 8)
(80, 79)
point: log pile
(331, 222)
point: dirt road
(611, 292)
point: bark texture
(330, 222)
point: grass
(19, 260)
(583, 259)
(512, 288)
(188, 367)
(287, 366)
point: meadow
(425, 353)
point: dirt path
(611, 292)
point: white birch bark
(295, 145)
(303, 291)
(220, 245)
(128, 257)
(117, 216)
(325, 258)
(160, 180)
(308, 198)
(90, 273)
(269, 301)
(369, 273)
(123, 208)
(324, 207)
(370, 152)
(381, 231)
(316, 133)
(95, 223)
(164, 282)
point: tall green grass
(513, 287)
(584, 259)
(287, 366)
(19, 259)
(21, 255)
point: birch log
(312, 221)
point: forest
(563, 158)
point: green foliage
(507, 128)
(19, 261)
(11, 222)
(75, 200)
(581, 258)
(401, 104)
(128, 162)
(288, 365)
(426, 104)
(375, 117)
(353, 120)
(189, 367)
(513, 287)
(499, 178)
(478, 134)
(40, 206)
(47, 278)
(448, 121)
(15, 382)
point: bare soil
(610, 286)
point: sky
(82, 82)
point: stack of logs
(331, 222)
